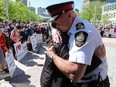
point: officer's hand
(100, 52)
(56, 36)
(50, 51)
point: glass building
(43, 13)
(111, 1)
(23, 1)
(110, 10)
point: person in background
(84, 39)
(4, 47)
(38, 29)
(6, 27)
(15, 37)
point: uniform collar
(72, 30)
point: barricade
(21, 49)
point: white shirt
(84, 53)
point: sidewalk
(110, 44)
(29, 68)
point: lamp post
(29, 9)
(94, 14)
(6, 5)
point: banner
(24, 47)
(18, 50)
(10, 62)
(39, 38)
(33, 41)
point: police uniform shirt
(84, 39)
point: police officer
(51, 76)
(84, 38)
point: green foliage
(105, 19)
(17, 11)
(2, 10)
(92, 12)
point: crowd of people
(107, 31)
(12, 32)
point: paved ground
(110, 44)
(29, 69)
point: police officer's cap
(59, 8)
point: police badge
(80, 38)
(80, 25)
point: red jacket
(4, 43)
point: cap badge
(80, 25)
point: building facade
(23, 1)
(32, 9)
(43, 13)
(111, 1)
(110, 10)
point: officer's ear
(69, 14)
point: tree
(105, 19)
(17, 11)
(92, 12)
(2, 10)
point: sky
(45, 3)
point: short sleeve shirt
(83, 54)
(84, 39)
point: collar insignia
(80, 25)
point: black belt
(87, 79)
(93, 83)
(87, 84)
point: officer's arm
(100, 52)
(72, 70)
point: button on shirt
(83, 54)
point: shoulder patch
(80, 25)
(80, 38)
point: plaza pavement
(29, 68)
(110, 44)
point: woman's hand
(56, 36)
(50, 51)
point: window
(115, 6)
